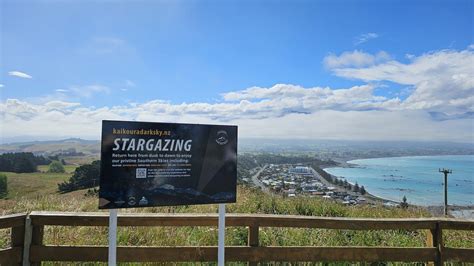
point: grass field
(32, 185)
(81, 160)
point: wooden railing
(14, 254)
(435, 252)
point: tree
(24, 165)
(347, 185)
(3, 186)
(56, 167)
(362, 190)
(404, 203)
(21, 162)
(85, 176)
(356, 187)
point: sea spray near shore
(415, 177)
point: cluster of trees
(3, 186)
(244, 164)
(340, 182)
(22, 162)
(325, 175)
(348, 186)
(85, 176)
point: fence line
(435, 252)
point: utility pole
(445, 172)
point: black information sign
(161, 164)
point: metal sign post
(221, 235)
(113, 237)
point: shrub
(56, 167)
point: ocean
(415, 177)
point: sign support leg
(113, 237)
(220, 248)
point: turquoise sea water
(415, 177)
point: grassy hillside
(249, 201)
(86, 147)
(32, 185)
(38, 192)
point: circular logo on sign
(222, 137)
(132, 201)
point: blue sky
(188, 55)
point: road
(321, 179)
(257, 182)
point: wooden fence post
(37, 240)
(18, 237)
(253, 240)
(27, 241)
(435, 239)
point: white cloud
(278, 112)
(72, 119)
(365, 38)
(355, 58)
(282, 99)
(61, 90)
(1, 86)
(19, 74)
(442, 80)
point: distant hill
(343, 150)
(65, 147)
(340, 150)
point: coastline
(458, 211)
(368, 195)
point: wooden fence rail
(435, 252)
(14, 254)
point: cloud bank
(441, 81)
(439, 105)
